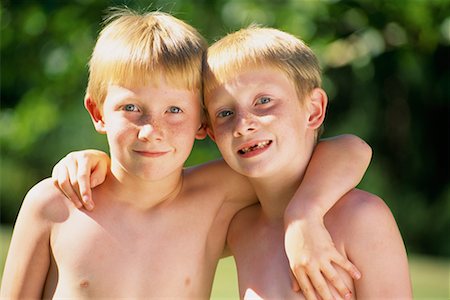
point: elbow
(360, 150)
(365, 151)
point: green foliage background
(386, 69)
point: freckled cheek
(224, 130)
(117, 122)
(121, 132)
(182, 130)
(178, 124)
(223, 138)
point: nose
(149, 132)
(245, 124)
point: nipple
(84, 284)
(187, 281)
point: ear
(317, 108)
(201, 132)
(96, 114)
(211, 133)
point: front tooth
(262, 144)
(257, 146)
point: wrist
(310, 212)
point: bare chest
(263, 268)
(104, 256)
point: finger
(294, 283)
(305, 286)
(333, 277)
(99, 174)
(58, 183)
(347, 266)
(55, 174)
(66, 187)
(72, 173)
(319, 284)
(83, 178)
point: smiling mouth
(257, 146)
(151, 153)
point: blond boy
(158, 230)
(269, 93)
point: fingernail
(357, 275)
(348, 295)
(89, 204)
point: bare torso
(116, 251)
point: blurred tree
(386, 70)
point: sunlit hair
(255, 47)
(135, 49)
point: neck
(140, 193)
(274, 194)
(276, 191)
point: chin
(154, 174)
(259, 170)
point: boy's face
(150, 129)
(259, 124)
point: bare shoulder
(360, 205)
(214, 171)
(360, 214)
(218, 178)
(362, 225)
(46, 202)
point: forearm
(337, 165)
(24, 280)
(25, 269)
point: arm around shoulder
(28, 257)
(219, 177)
(337, 165)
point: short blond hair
(134, 49)
(258, 46)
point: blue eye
(224, 113)
(130, 107)
(263, 100)
(174, 110)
